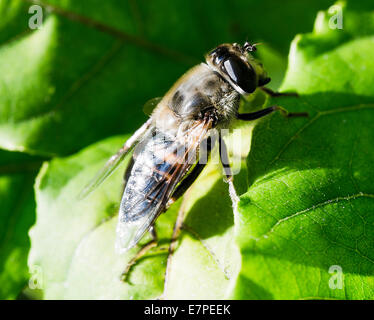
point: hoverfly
(160, 171)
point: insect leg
(141, 253)
(266, 111)
(179, 191)
(191, 177)
(185, 184)
(224, 157)
(278, 94)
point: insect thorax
(201, 89)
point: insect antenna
(251, 47)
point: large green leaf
(17, 214)
(310, 203)
(306, 201)
(87, 72)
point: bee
(165, 161)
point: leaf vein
(314, 119)
(83, 80)
(153, 47)
(322, 204)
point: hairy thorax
(199, 90)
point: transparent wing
(113, 163)
(140, 206)
(129, 233)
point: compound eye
(240, 74)
(219, 54)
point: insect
(165, 161)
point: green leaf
(17, 214)
(310, 202)
(87, 72)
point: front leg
(140, 254)
(224, 157)
(262, 113)
(272, 93)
